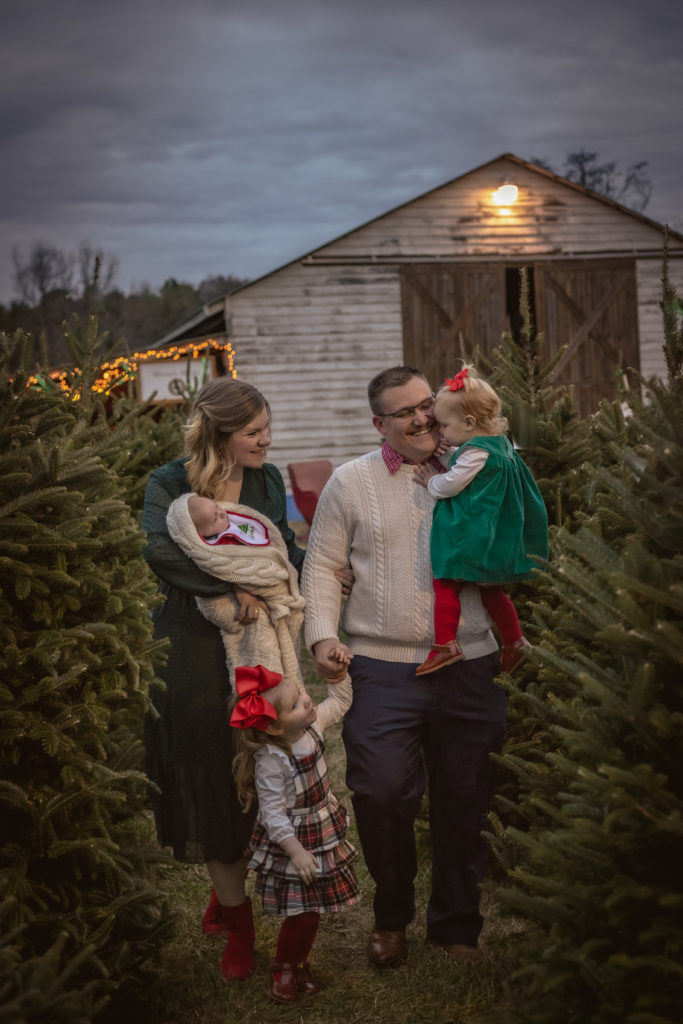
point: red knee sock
(296, 938)
(502, 611)
(446, 611)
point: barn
(437, 278)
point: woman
(189, 745)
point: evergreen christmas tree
(135, 437)
(146, 437)
(80, 913)
(594, 873)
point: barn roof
(207, 320)
(210, 319)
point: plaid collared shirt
(393, 460)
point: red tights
(296, 938)
(495, 600)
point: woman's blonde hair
(478, 399)
(246, 743)
(221, 407)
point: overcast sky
(230, 136)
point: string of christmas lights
(125, 368)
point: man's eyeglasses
(410, 410)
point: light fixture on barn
(504, 196)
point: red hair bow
(458, 381)
(251, 709)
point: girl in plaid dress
(299, 853)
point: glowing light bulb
(504, 195)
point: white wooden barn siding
(548, 221)
(312, 334)
(311, 338)
(460, 219)
(650, 330)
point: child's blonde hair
(222, 406)
(475, 398)
(246, 743)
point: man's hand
(424, 473)
(326, 653)
(249, 607)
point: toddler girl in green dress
(488, 520)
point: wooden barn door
(591, 307)
(457, 311)
(449, 312)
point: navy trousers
(398, 728)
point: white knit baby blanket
(271, 641)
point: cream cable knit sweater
(380, 524)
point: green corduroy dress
(486, 533)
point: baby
(216, 526)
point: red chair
(307, 480)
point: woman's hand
(249, 607)
(347, 578)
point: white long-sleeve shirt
(461, 473)
(274, 774)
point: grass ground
(427, 989)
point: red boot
(213, 921)
(238, 958)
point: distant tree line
(632, 187)
(52, 286)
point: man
(374, 516)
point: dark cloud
(228, 136)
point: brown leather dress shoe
(386, 948)
(444, 654)
(305, 982)
(464, 954)
(283, 982)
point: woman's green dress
(486, 533)
(189, 745)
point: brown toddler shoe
(513, 655)
(440, 656)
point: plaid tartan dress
(320, 824)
